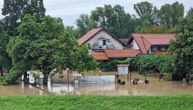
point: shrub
(156, 63)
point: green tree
(182, 48)
(154, 29)
(45, 46)
(15, 10)
(170, 13)
(144, 9)
(84, 24)
(190, 13)
(114, 19)
(148, 15)
(4, 59)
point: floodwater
(20, 90)
(154, 88)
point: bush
(145, 64)
(112, 64)
(155, 63)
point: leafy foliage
(190, 13)
(45, 46)
(114, 19)
(15, 10)
(4, 59)
(182, 48)
(170, 13)
(84, 24)
(149, 63)
(153, 29)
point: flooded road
(154, 88)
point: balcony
(103, 47)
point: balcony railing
(103, 47)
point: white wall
(105, 35)
(135, 45)
(97, 79)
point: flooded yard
(154, 88)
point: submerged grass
(96, 103)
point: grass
(96, 103)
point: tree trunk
(1, 71)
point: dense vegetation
(115, 19)
(37, 42)
(182, 48)
(96, 103)
(144, 64)
(153, 63)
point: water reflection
(155, 88)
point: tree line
(115, 19)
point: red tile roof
(145, 41)
(110, 54)
(122, 53)
(89, 35)
(100, 56)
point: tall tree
(148, 15)
(114, 19)
(1, 48)
(170, 13)
(190, 13)
(144, 9)
(15, 10)
(84, 24)
(182, 48)
(45, 46)
(4, 59)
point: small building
(151, 43)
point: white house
(105, 46)
(100, 39)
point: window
(163, 48)
(104, 42)
(154, 49)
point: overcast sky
(69, 10)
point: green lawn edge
(182, 102)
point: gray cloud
(69, 10)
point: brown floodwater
(154, 88)
(20, 90)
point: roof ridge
(144, 43)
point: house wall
(135, 45)
(105, 35)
